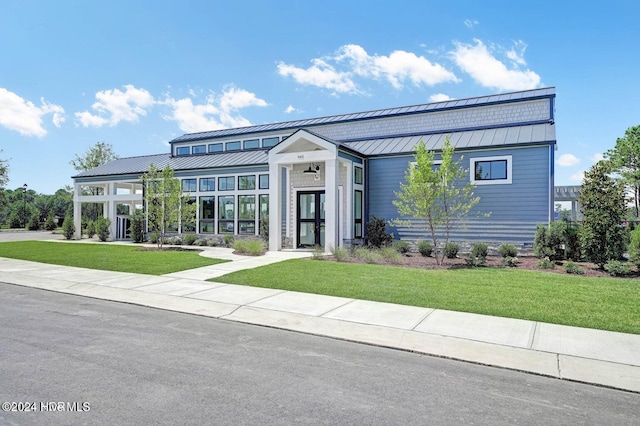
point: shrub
(391, 254)
(545, 263)
(264, 228)
(14, 221)
(510, 261)
(228, 240)
(201, 242)
(508, 250)
(615, 268)
(377, 235)
(68, 227)
(425, 248)
(155, 238)
(318, 253)
(189, 239)
(91, 229)
(102, 228)
(478, 255)
(573, 268)
(50, 223)
(401, 247)
(451, 250)
(213, 243)
(34, 222)
(549, 241)
(340, 254)
(174, 241)
(136, 227)
(634, 246)
(574, 251)
(251, 246)
(367, 255)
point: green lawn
(602, 303)
(108, 257)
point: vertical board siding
(515, 209)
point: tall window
(189, 223)
(246, 214)
(247, 182)
(226, 183)
(207, 215)
(357, 175)
(226, 214)
(264, 182)
(207, 184)
(188, 185)
(264, 206)
(357, 214)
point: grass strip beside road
(108, 257)
(601, 303)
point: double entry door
(310, 226)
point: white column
(331, 206)
(275, 213)
(77, 213)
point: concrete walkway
(584, 355)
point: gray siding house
(318, 180)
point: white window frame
(472, 170)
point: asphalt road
(113, 363)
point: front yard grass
(108, 257)
(601, 303)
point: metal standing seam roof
(140, 165)
(494, 137)
(451, 104)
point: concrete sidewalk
(584, 355)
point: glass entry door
(310, 219)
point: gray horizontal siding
(515, 209)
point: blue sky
(137, 74)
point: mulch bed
(415, 260)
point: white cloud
(217, 112)
(597, 157)
(470, 23)
(577, 177)
(516, 53)
(395, 68)
(24, 116)
(484, 68)
(566, 160)
(337, 72)
(439, 97)
(114, 106)
(320, 74)
(290, 109)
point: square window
(247, 182)
(188, 185)
(226, 183)
(207, 184)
